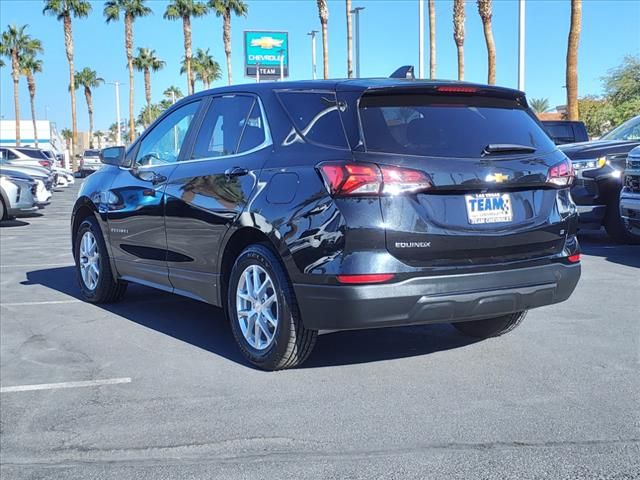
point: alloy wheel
(257, 307)
(89, 261)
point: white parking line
(38, 265)
(48, 302)
(53, 386)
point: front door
(209, 189)
(136, 200)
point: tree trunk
(325, 49)
(226, 37)
(432, 39)
(128, 34)
(572, 60)
(186, 27)
(31, 82)
(87, 95)
(458, 33)
(460, 49)
(491, 51)
(68, 43)
(15, 73)
(147, 85)
(349, 40)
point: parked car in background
(43, 178)
(307, 206)
(18, 154)
(630, 196)
(565, 131)
(17, 194)
(90, 162)
(599, 165)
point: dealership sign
(264, 52)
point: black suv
(314, 205)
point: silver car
(17, 195)
(90, 162)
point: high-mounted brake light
(456, 89)
(561, 174)
(366, 278)
(369, 179)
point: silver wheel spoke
(89, 261)
(257, 316)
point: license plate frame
(488, 208)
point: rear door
(210, 188)
(488, 160)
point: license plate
(489, 208)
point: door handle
(235, 172)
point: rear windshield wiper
(498, 148)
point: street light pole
(118, 133)
(312, 34)
(421, 38)
(356, 12)
(258, 72)
(521, 25)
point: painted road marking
(38, 265)
(53, 386)
(49, 302)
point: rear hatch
(490, 165)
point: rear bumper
(439, 299)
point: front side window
(233, 124)
(163, 143)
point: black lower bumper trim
(439, 299)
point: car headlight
(590, 163)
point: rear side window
(315, 117)
(560, 131)
(233, 124)
(444, 125)
(32, 153)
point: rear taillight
(45, 163)
(369, 179)
(575, 258)
(561, 174)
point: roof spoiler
(404, 72)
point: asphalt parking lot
(557, 398)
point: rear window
(315, 117)
(32, 153)
(92, 153)
(447, 126)
(560, 131)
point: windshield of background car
(447, 125)
(92, 153)
(629, 130)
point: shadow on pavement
(598, 244)
(204, 326)
(13, 223)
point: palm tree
(147, 61)
(224, 9)
(29, 66)
(432, 39)
(206, 68)
(349, 40)
(99, 135)
(173, 93)
(88, 79)
(458, 34)
(184, 69)
(572, 60)
(484, 9)
(148, 114)
(184, 10)
(131, 9)
(14, 44)
(63, 10)
(539, 105)
(68, 136)
(323, 13)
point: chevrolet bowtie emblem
(496, 177)
(266, 42)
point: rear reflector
(456, 89)
(369, 179)
(575, 258)
(367, 278)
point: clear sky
(389, 36)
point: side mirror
(113, 156)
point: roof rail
(404, 72)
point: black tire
(616, 227)
(3, 211)
(107, 289)
(292, 342)
(491, 327)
